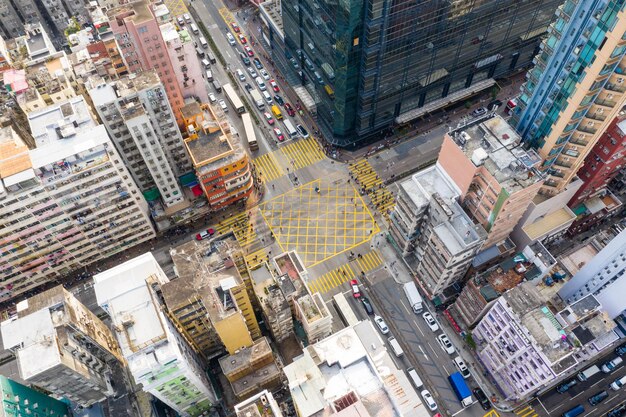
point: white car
(429, 400)
(212, 98)
(223, 105)
(264, 74)
(430, 321)
(381, 324)
(252, 72)
(187, 17)
(445, 343)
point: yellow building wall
(233, 332)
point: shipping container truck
(461, 389)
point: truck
(395, 346)
(414, 297)
(588, 373)
(461, 389)
(258, 100)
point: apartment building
(158, 356)
(527, 342)
(141, 123)
(602, 276)
(251, 369)
(187, 68)
(575, 89)
(219, 158)
(138, 34)
(497, 178)
(341, 375)
(534, 262)
(65, 204)
(274, 295)
(62, 347)
(430, 228)
(209, 299)
(259, 405)
(20, 397)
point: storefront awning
(188, 180)
(196, 190)
(152, 194)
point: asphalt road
(553, 403)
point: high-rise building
(220, 160)
(209, 298)
(497, 178)
(251, 369)
(62, 347)
(369, 65)
(17, 15)
(603, 162)
(187, 68)
(136, 112)
(139, 36)
(526, 341)
(575, 89)
(603, 277)
(28, 401)
(65, 204)
(159, 358)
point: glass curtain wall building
(376, 63)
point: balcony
(605, 103)
(595, 116)
(579, 142)
(562, 164)
(551, 183)
(586, 129)
(615, 87)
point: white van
(268, 97)
(395, 346)
(206, 63)
(240, 75)
(231, 39)
(203, 42)
(260, 83)
(618, 383)
(194, 28)
(610, 366)
(415, 378)
(209, 75)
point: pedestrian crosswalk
(370, 183)
(369, 261)
(302, 153)
(332, 279)
(268, 167)
(241, 227)
(526, 411)
(256, 258)
(336, 277)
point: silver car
(429, 400)
(223, 105)
(382, 326)
(430, 321)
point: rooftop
(102, 92)
(257, 379)
(206, 270)
(576, 259)
(458, 232)
(553, 221)
(494, 144)
(245, 357)
(62, 120)
(351, 372)
(262, 404)
(426, 182)
(137, 12)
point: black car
(620, 351)
(257, 63)
(248, 87)
(367, 306)
(279, 100)
(482, 398)
(617, 411)
(244, 59)
(566, 386)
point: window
(142, 29)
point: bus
(249, 129)
(345, 311)
(290, 129)
(233, 98)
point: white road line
(418, 328)
(543, 406)
(433, 349)
(597, 383)
(612, 398)
(458, 412)
(580, 393)
(446, 369)
(405, 307)
(422, 349)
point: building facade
(603, 162)
(20, 397)
(67, 203)
(370, 65)
(158, 356)
(139, 36)
(136, 112)
(219, 158)
(575, 89)
(62, 347)
(603, 276)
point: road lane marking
(433, 349)
(418, 328)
